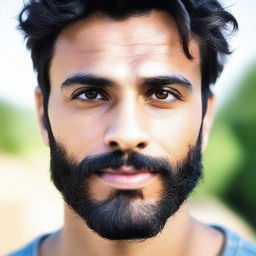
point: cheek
(81, 133)
(178, 130)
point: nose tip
(126, 141)
(127, 130)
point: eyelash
(79, 92)
(169, 91)
(105, 97)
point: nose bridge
(125, 131)
(126, 112)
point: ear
(208, 120)
(41, 115)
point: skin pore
(127, 85)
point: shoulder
(31, 249)
(236, 245)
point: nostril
(142, 145)
(113, 144)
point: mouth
(126, 178)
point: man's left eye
(163, 95)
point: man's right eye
(89, 94)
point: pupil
(91, 94)
(161, 94)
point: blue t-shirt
(234, 245)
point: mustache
(117, 159)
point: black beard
(120, 216)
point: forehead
(149, 29)
(99, 40)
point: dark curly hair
(41, 21)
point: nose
(125, 132)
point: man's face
(125, 86)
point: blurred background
(30, 205)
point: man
(125, 105)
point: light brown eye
(161, 94)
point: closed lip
(125, 170)
(126, 178)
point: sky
(17, 79)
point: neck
(75, 238)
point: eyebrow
(156, 81)
(87, 79)
(167, 80)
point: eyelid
(82, 90)
(173, 91)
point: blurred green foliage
(18, 130)
(230, 161)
